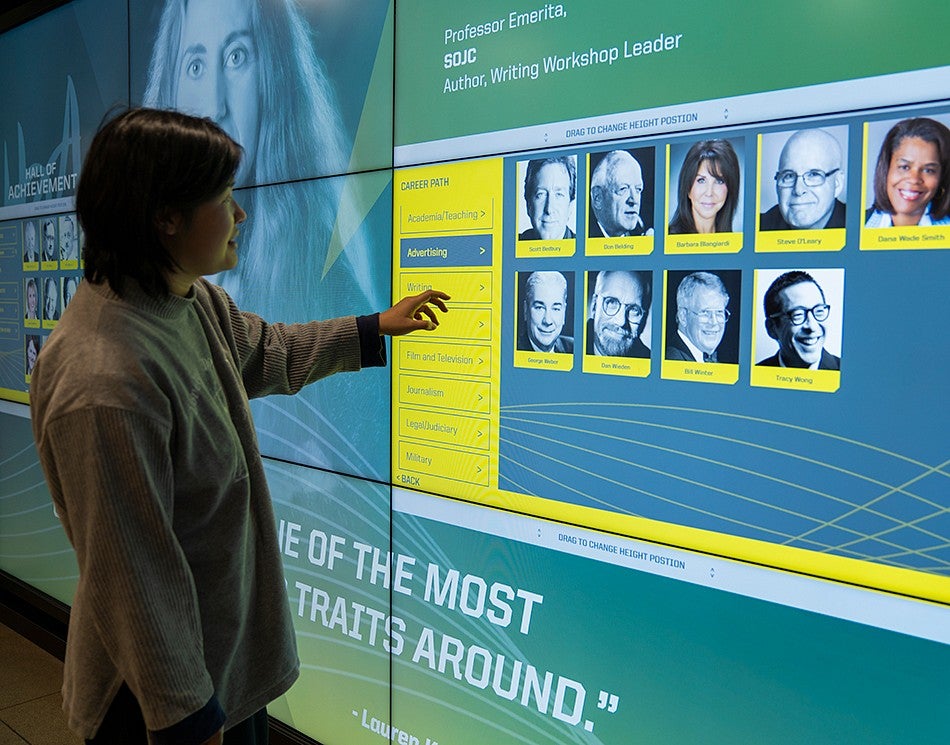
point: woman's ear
(168, 221)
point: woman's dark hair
(928, 130)
(141, 164)
(723, 164)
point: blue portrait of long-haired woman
(316, 243)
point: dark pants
(124, 725)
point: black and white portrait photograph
(545, 312)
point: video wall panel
(499, 78)
(335, 535)
(672, 453)
(59, 75)
(652, 384)
(33, 544)
(305, 87)
(519, 630)
(324, 267)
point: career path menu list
(447, 236)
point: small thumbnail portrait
(707, 196)
(31, 348)
(51, 307)
(31, 293)
(49, 238)
(68, 238)
(908, 172)
(548, 209)
(804, 179)
(621, 193)
(618, 312)
(70, 284)
(802, 312)
(546, 319)
(703, 316)
(31, 246)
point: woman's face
(707, 194)
(31, 300)
(912, 179)
(207, 243)
(218, 71)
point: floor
(30, 701)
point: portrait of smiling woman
(708, 189)
(911, 183)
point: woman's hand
(413, 313)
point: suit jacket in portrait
(677, 350)
(828, 361)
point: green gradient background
(339, 674)
(690, 664)
(33, 545)
(728, 48)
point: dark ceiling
(15, 12)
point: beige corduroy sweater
(141, 418)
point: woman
(708, 190)
(32, 300)
(912, 176)
(251, 67)
(32, 350)
(180, 626)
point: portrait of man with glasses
(796, 312)
(618, 312)
(702, 316)
(809, 181)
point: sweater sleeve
(136, 584)
(283, 358)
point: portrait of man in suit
(616, 197)
(702, 313)
(544, 312)
(808, 184)
(795, 313)
(550, 187)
